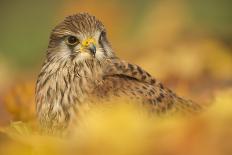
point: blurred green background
(26, 24)
(187, 44)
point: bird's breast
(60, 92)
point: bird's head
(79, 37)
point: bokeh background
(186, 44)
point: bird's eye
(102, 35)
(72, 40)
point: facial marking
(79, 36)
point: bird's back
(122, 79)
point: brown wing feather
(121, 78)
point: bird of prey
(80, 65)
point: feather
(124, 79)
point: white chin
(83, 56)
(99, 55)
(87, 56)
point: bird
(81, 65)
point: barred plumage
(75, 72)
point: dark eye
(102, 35)
(72, 40)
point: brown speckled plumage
(71, 76)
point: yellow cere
(86, 42)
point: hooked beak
(92, 49)
(90, 46)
